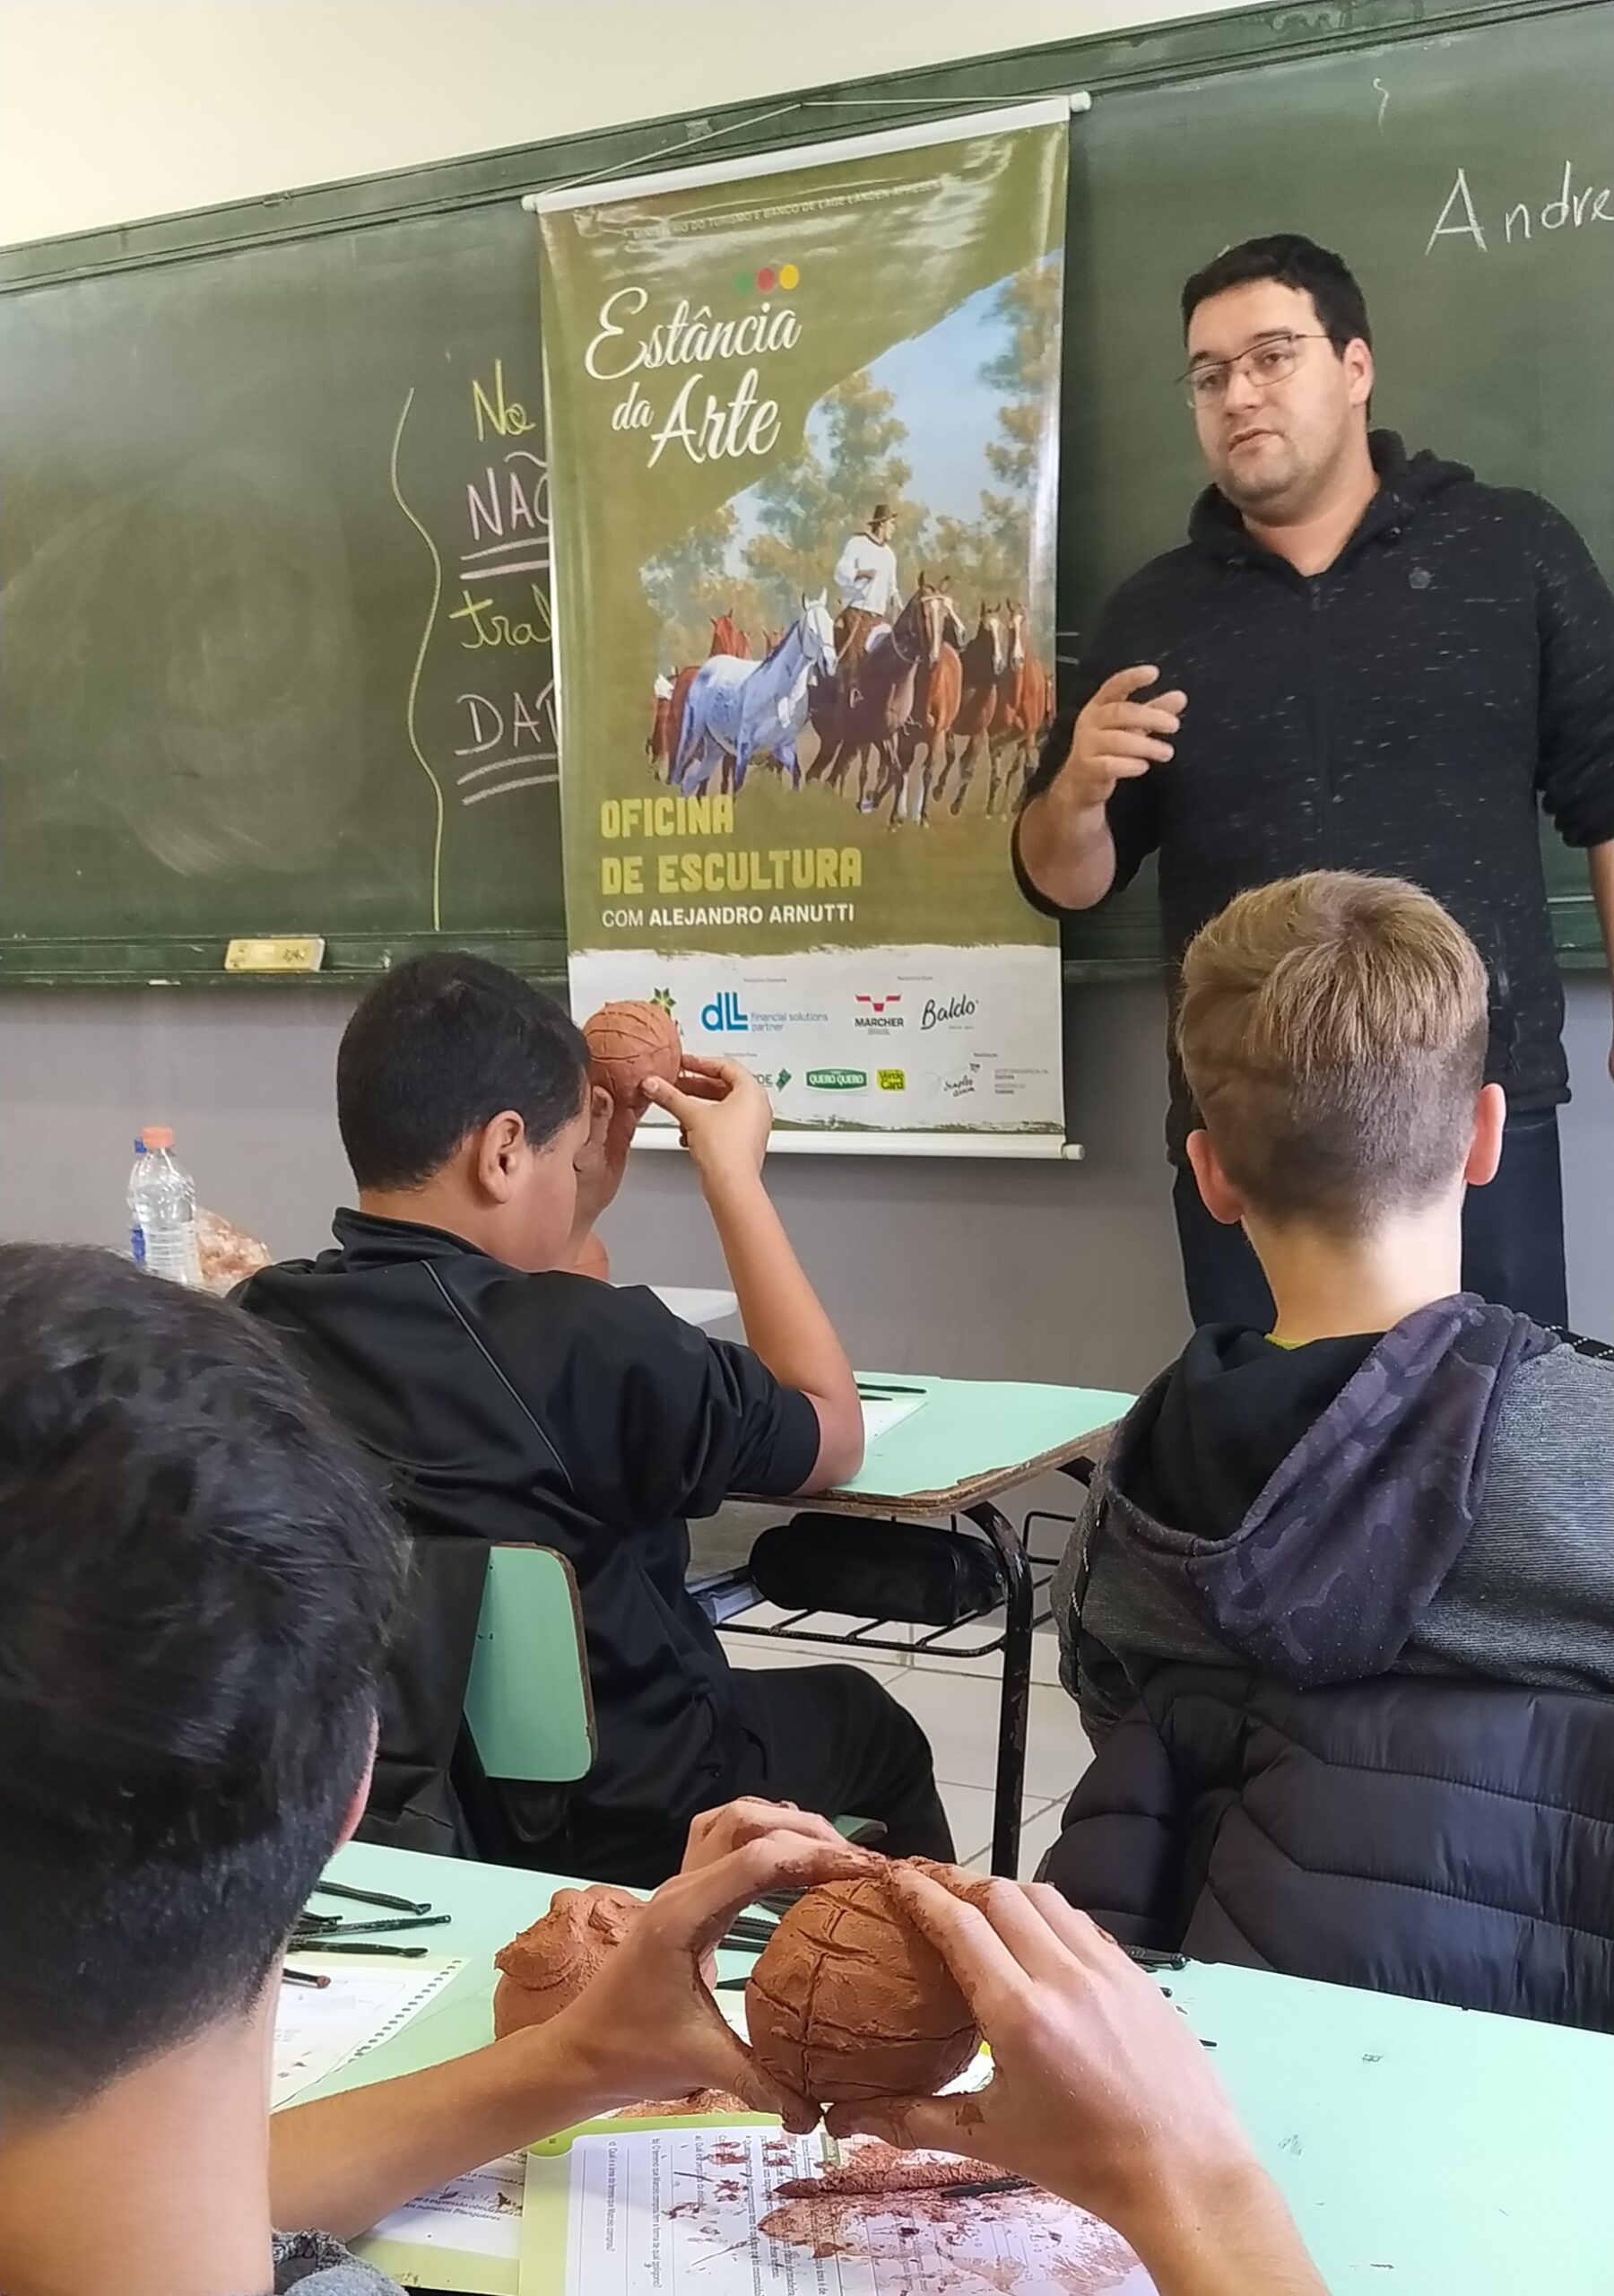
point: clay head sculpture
(544, 1969)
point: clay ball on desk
(544, 1969)
(849, 2001)
(627, 1044)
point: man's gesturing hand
(1117, 738)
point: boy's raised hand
(723, 1113)
(726, 1116)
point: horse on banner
(741, 710)
(938, 691)
(667, 730)
(982, 663)
(1024, 693)
(860, 720)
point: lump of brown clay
(544, 1969)
(713, 2101)
(627, 1044)
(849, 2001)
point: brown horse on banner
(1024, 692)
(983, 662)
(865, 714)
(938, 691)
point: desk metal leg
(1015, 1699)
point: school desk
(964, 1445)
(1424, 2150)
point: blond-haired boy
(1398, 1479)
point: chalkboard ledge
(352, 960)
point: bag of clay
(919, 1573)
(227, 1254)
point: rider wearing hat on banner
(865, 575)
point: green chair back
(528, 1701)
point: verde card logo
(836, 1080)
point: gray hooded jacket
(1438, 1500)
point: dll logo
(723, 1013)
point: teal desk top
(970, 1437)
(1425, 2151)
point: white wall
(112, 112)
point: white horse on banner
(744, 709)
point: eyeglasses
(1273, 359)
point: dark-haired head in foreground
(196, 1589)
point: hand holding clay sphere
(850, 2002)
(628, 1043)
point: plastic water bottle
(136, 1241)
(163, 1210)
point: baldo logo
(956, 1008)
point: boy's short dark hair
(1294, 261)
(438, 1048)
(197, 1584)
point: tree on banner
(987, 555)
(692, 587)
(807, 498)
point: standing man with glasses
(1361, 661)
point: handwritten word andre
(1575, 207)
(708, 428)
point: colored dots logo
(773, 277)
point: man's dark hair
(437, 1049)
(1293, 261)
(197, 1585)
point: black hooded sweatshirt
(1400, 713)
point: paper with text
(464, 2236)
(673, 2212)
(363, 2005)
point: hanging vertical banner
(803, 419)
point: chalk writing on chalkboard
(505, 718)
(1471, 214)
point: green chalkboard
(1468, 180)
(245, 458)
(274, 631)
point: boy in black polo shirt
(516, 1401)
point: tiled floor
(957, 1703)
